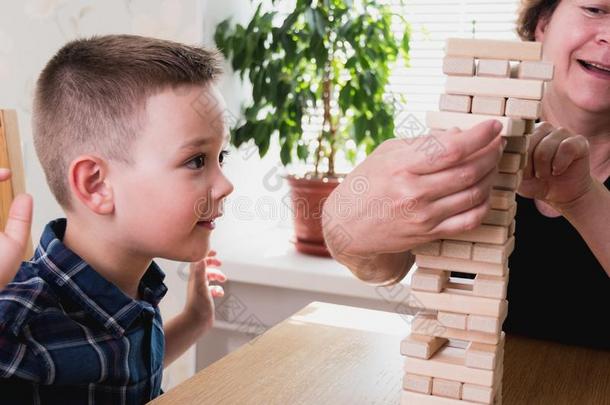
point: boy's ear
(90, 185)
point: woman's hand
(15, 237)
(557, 170)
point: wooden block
(488, 105)
(530, 126)
(463, 303)
(484, 324)
(483, 356)
(449, 363)
(417, 383)
(491, 86)
(446, 388)
(502, 199)
(510, 162)
(6, 187)
(458, 66)
(429, 249)
(484, 234)
(517, 144)
(500, 217)
(493, 68)
(426, 323)
(455, 103)
(416, 398)
(494, 49)
(421, 346)
(527, 109)
(511, 228)
(461, 265)
(425, 279)
(490, 286)
(508, 181)
(456, 249)
(477, 393)
(536, 70)
(489, 253)
(447, 119)
(452, 320)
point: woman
(559, 272)
(14, 239)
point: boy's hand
(557, 170)
(199, 306)
(14, 239)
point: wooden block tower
(10, 157)
(454, 354)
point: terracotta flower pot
(308, 197)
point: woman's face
(576, 38)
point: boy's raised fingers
(5, 174)
(445, 149)
(19, 220)
(216, 275)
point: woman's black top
(557, 289)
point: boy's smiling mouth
(209, 223)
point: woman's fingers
(540, 133)
(462, 222)
(568, 151)
(545, 151)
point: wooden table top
(333, 354)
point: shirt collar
(104, 301)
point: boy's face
(165, 203)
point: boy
(129, 132)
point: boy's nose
(225, 187)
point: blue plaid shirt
(68, 336)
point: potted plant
(330, 58)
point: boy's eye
(222, 157)
(197, 162)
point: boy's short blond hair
(90, 96)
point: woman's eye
(594, 10)
(197, 162)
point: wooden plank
(484, 356)
(426, 323)
(6, 187)
(421, 346)
(488, 105)
(455, 103)
(458, 66)
(444, 120)
(429, 279)
(452, 320)
(446, 388)
(494, 49)
(484, 234)
(518, 144)
(456, 249)
(536, 70)
(461, 265)
(416, 398)
(493, 68)
(500, 217)
(490, 253)
(526, 109)
(510, 162)
(429, 249)
(417, 383)
(485, 324)
(463, 303)
(502, 199)
(491, 86)
(508, 181)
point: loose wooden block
(508, 181)
(517, 144)
(446, 119)
(530, 126)
(485, 325)
(426, 323)
(456, 249)
(463, 303)
(461, 265)
(483, 356)
(500, 217)
(477, 393)
(446, 388)
(417, 383)
(430, 249)
(455, 103)
(538, 70)
(449, 363)
(510, 162)
(491, 86)
(511, 228)
(416, 398)
(452, 320)
(493, 68)
(527, 109)
(458, 66)
(490, 286)
(484, 234)
(502, 199)
(426, 279)
(421, 346)
(489, 253)
(494, 49)
(488, 105)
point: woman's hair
(530, 12)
